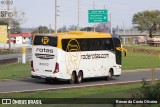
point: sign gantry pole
(8, 18)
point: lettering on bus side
(94, 56)
(72, 58)
(44, 50)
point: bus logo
(73, 55)
(45, 40)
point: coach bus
(76, 55)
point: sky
(41, 12)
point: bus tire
(110, 74)
(73, 78)
(79, 77)
(47, 80)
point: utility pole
(55, 16)
(118, 28)
(94, 9)
(124, 28)
(8, 19)
(104, 6)
(50, 29)
(124, 32)
(111, 23)
(78, 17)
(93, 5)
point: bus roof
(79, 34)
(82, 34)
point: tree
(87, 29)
(3, 21)
(72, 27)
(103, 27)
(14, 25)
(147, 21)
(15, 21)
(63, 29)
(41, 29)
(148, 91)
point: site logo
(73, 56)
(45, 40)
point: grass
(140, 61)
(15, 71)
(83, 92)
(118, 91)
(144, 47)
(89, 92)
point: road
(17, 55)
(29, 84)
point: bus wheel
(47, 80)
(79, 77)
(73, 78)
(110, 74)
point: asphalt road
(29, 84)
(17, 55)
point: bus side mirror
(122, 49)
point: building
(23, 38)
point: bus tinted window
(45, 40)
(117, 42)
(90, 44)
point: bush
(148, 91)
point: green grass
(15, 71)
(140, 61)
(118, 91)
(82, 92)
(144, 47)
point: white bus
(76, 55)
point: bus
(76, 55)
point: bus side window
(117, 42)
(64, 44)
(102, 45)
(109, 44)
(92, 45)
(84, 45)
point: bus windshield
(45, 40)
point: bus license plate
(43, 76)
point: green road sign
(97, 16)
